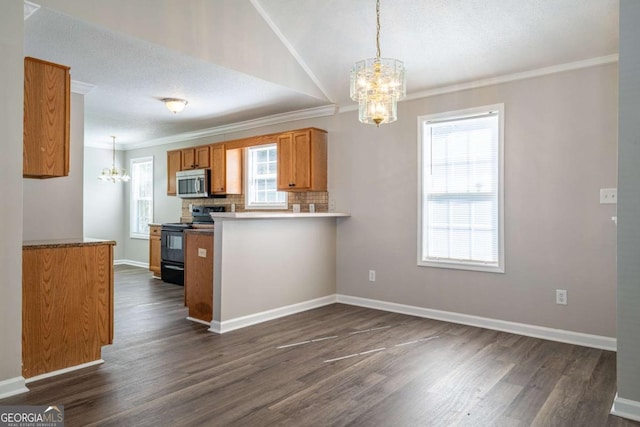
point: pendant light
(377, 84)
(112, 174)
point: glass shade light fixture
(112, 174)
(377, 84)
(175, 105)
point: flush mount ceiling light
(112, 174)
(175, 105)
(377, 84)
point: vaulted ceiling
(241, 60)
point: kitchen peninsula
(67, 304)
(271, 264)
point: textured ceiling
(238, 60)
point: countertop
(63, 243)
(199, 230)
(269, 215)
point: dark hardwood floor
(392, 370)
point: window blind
(460, 198)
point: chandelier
(112, 174)
(377, 84)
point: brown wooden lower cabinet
(155, 233)
(198, 274)
(67, 304)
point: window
(141, 196)
(262, 179)
(461, 189)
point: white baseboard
(626, 408)
(193, 319)
(12, 386)
(570, 337)
(252, 319)
(130, 262)
(64, 371)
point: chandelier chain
(378, 29)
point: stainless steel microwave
(193, 183)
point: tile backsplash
(319, 198)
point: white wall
(53, 207)
(266, 264)
(560, 149)
(104, 202)
(11, 92)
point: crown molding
(577, 65)
(81, 87)
(310, 113)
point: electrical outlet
(372, 275)
(332, 205)
(296, 208)
(312, 207)
(561, 296)
(608, 196)
(202, 252)
(233, 207)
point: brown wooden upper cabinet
(195, 158)
(47, 102)
(226, 170)
(302, 160)
(174, 163)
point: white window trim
(133, 235)
(260, 206)
(464, 265)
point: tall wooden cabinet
(154, 250)
(47, 103)
(302, 160)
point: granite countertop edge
(269, 215)
(62, 243)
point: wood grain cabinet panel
(47, 103)
(198, 274)
(154, 249)
(195, 158)
(226, 170)
(302, 160)
(67, 306)
(174, 162)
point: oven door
(172, 246)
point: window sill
(462, 266)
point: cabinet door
(47, 101)
(285, 161)
(188, 159)
(174, 162)
(301, 160)
(218, 169)
(202, 157)
(154, 250)
(294, 161)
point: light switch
(202, 252)
(608, 196)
